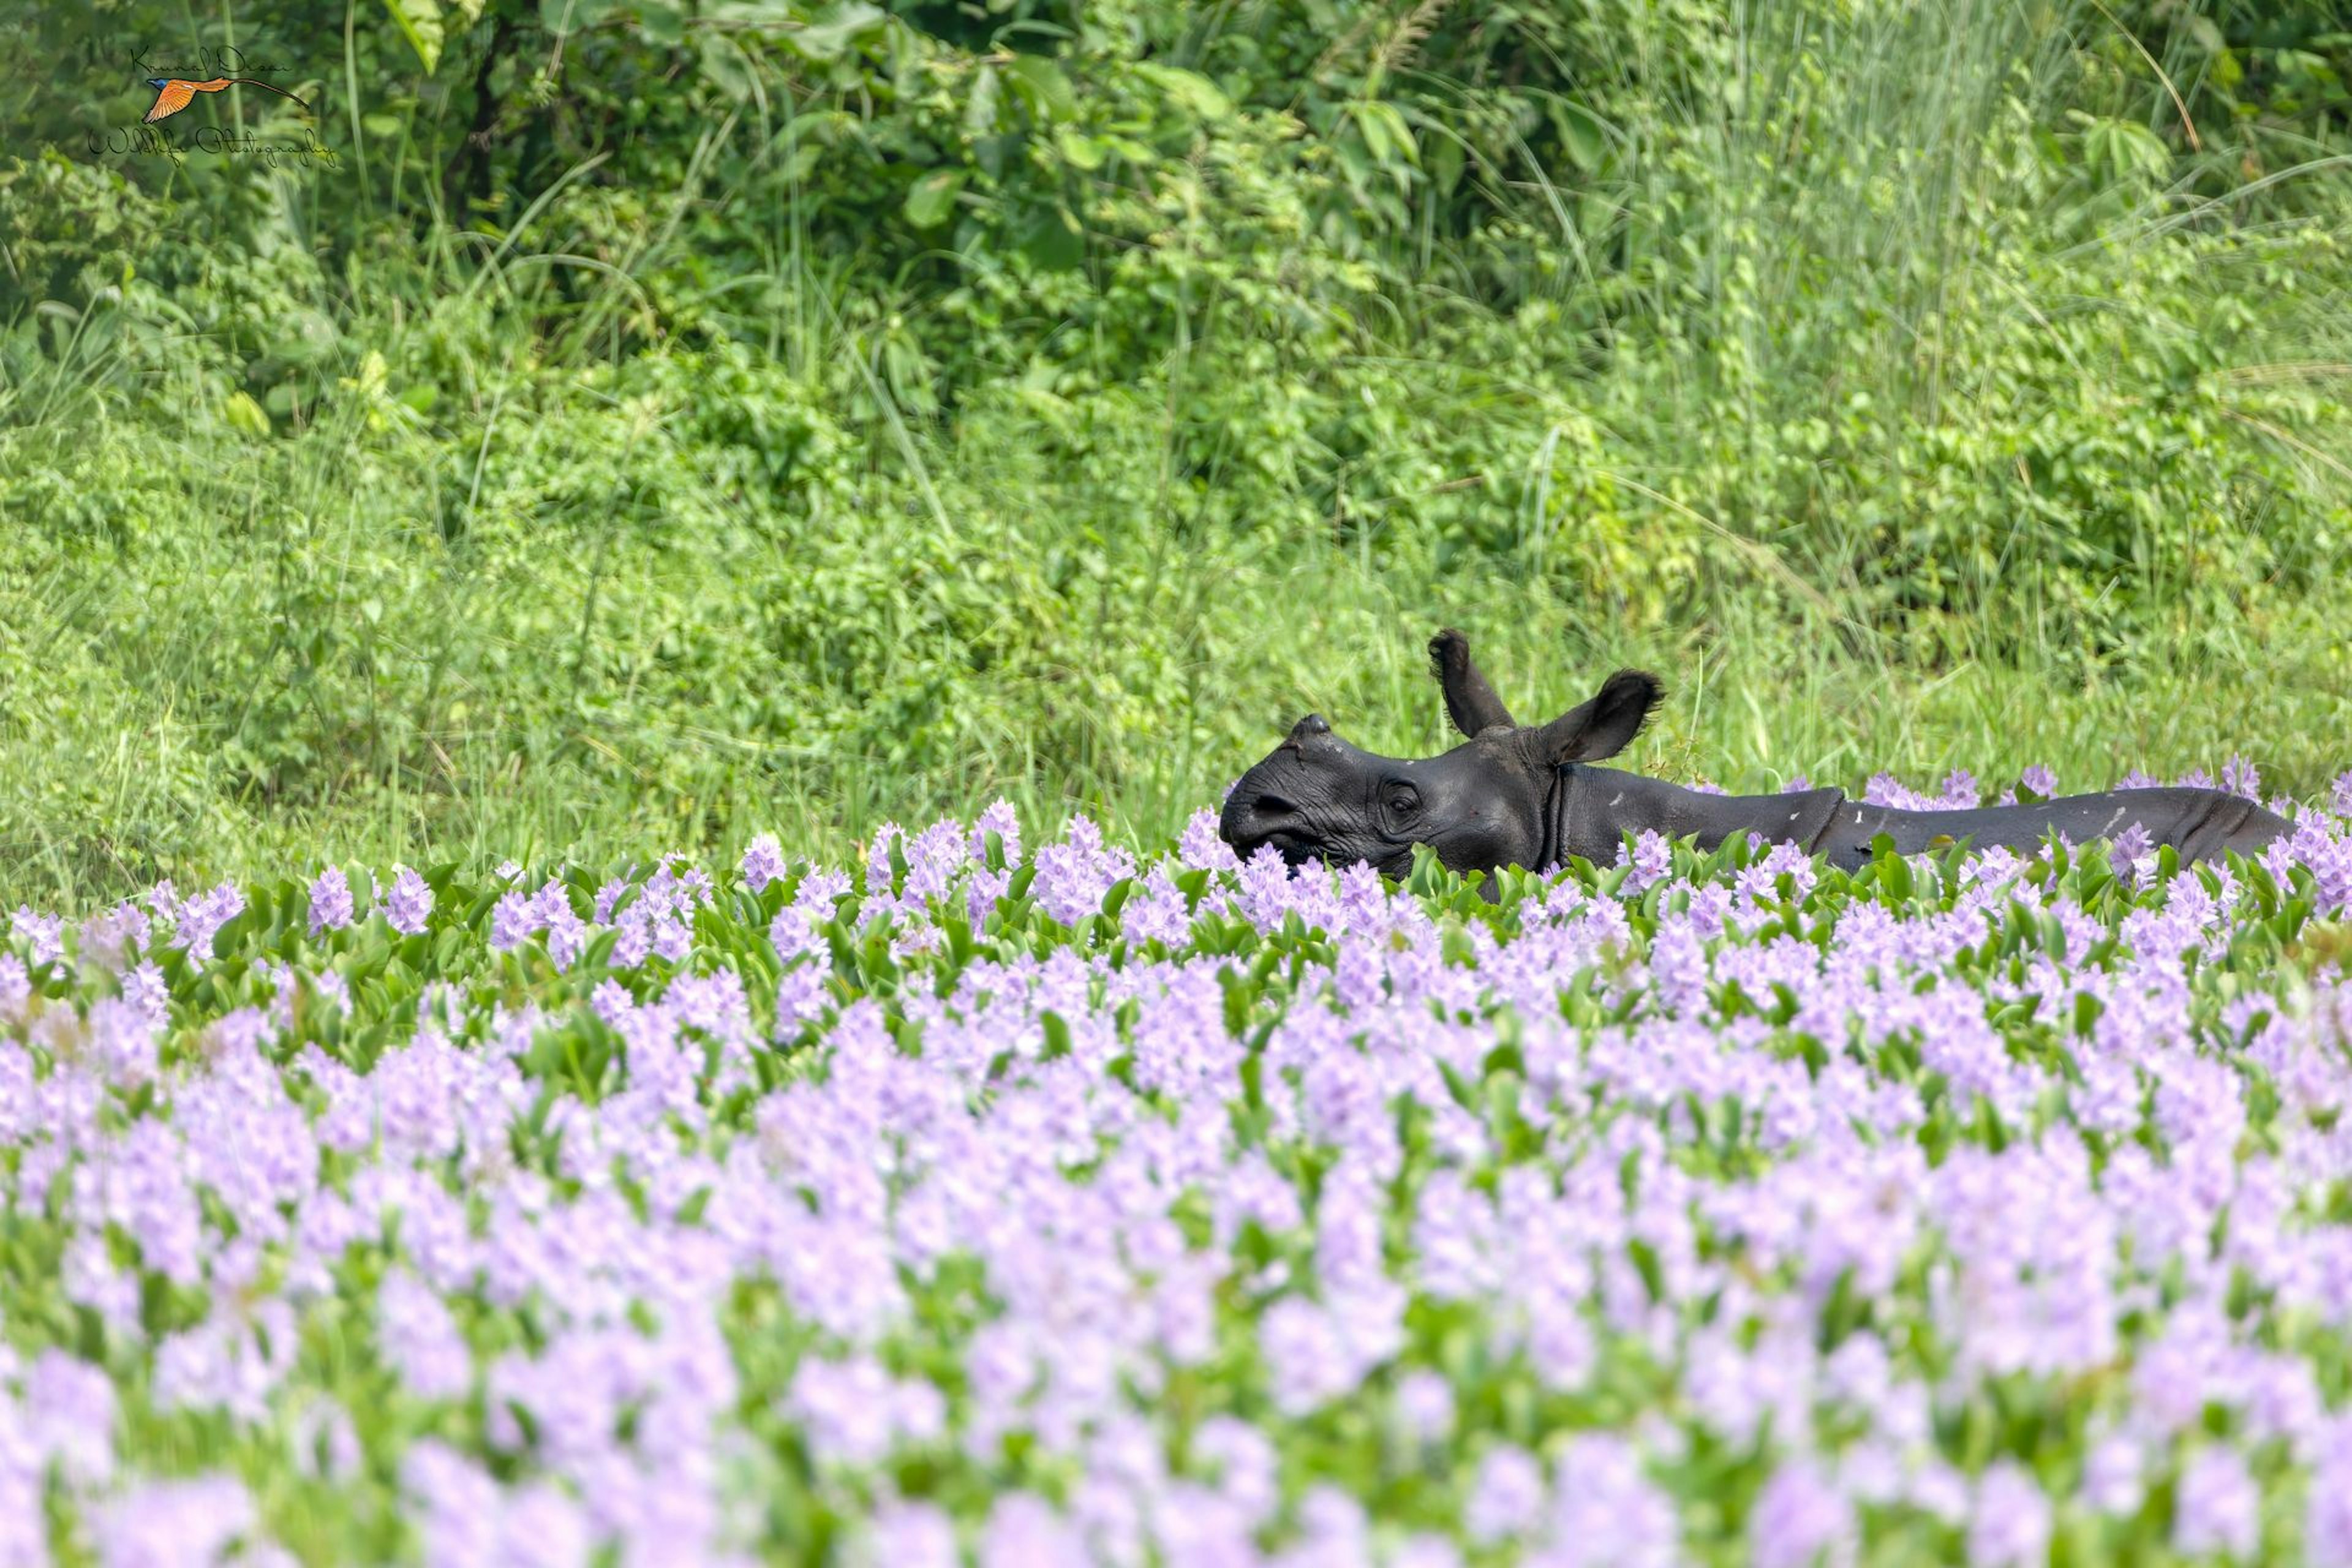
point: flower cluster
(1016, 1205)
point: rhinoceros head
(1480, 806)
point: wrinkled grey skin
(1513, 794)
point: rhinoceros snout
(1253, 816)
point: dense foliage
(596, 420)
(1069, 1208)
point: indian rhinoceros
(1529, 795)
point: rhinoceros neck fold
(1590, 809)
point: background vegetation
(640, 423)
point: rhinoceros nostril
(1272, 806)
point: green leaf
(420, 23)
(831, 38)
(1080, 152)
(1057, 1036)
(1042, 83)
(1580, 132)
(1189, 90)
(244, 414)
(1446, 159)
(1052, 240)
(930, 198)
(662, 21)
(979, 108)
(724, 62)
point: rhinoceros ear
(1604, 726)
(1470, 703)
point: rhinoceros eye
(1403, 800)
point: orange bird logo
(173, 93)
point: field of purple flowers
(1039, 1207)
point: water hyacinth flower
(910, 1535)
(201, 918)
(1055, 1239)
(2218, 1508)
(44, 935)
(1425, 1405)
(1799, 1521)
(2009, 1525)
(409, 904)
(331, 901)
(16, 988)
(175, 1521)
(764, 862)
(1507, 1497)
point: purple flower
(2328, 1508)
(854, 1412)
(2009, 1525)
(1024, 1532)
(1307, 1355)
(1074, 876)
(1506, 1496)
(1651, 858)
(1204, 848)
(108, 940)
(409, 903)
(174, 1524)
(331, 901)
(2111, 1481)
(122, 1043)
(70, 1414)
(44, 932)
(2218, 1508)
(764, 862)
(202, 917)
(16, 987)
(1606, 1513)
(1425, 1405)
(2128, 848)
(420, 1339)
(1249, 1472)
(512, 920)
(1886, 789)
(910, 1535)
(1332, 1530)
(1002, 820)
(1424, 1549)
(881, 881)
(1799, 1519)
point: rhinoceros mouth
(1252, 821)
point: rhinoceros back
(1596, 806)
